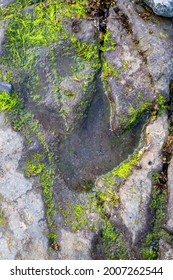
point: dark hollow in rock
(93, 149)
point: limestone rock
(5, 87)
(170, 195)
(22, 218)
(75, 246)
(135, 194)
(161, 7)
(165, 250)
(6, 3)
(1, 39)
(139, 43)
(132, 215)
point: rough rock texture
(79, 92)
(139, 44)
(22, 218)
(161, 7)
(5, 87)
(133, 214)
(170, 195)
(1, 39)
(75, 246)
(166, 251)
(6, 3)
(65, 80)
(135, 194)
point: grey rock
(64, 96)
(5, 87)
(161, 7)
(22, 208)
(170, 195)
(75, 246)
(6, 3)
(1, 39)
(140, 44)
(75, 235)
(165, 250)
(135, 192)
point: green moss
(109, 71)
(135, 113)
(151, 245)
(125, 169)
(53, 237)
(112, 241)
(162, 104)
(150, 252)
(2, 220)
(114, 246)
(80, 220)
(125, 66)
(8, 101)
(6, 76)
(41, 27)
(109, 197)
(34, 167)
(89, 52)
(70, 94)
(109, 235)
(108, 44)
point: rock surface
(170, 195)
(139, 43)
(166, 251)
(161, 7)
(135, 194)
(134, 213)
(87, 93)
(5, 87)
(22, 218)
(6, 3)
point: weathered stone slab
(161, 7)
(136, 82)
(5, 87)
(22, 219)
(170, 195)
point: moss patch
(151, 245)
(7, 101)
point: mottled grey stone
(6, 3)
(21, 206)
(135, 192)
(1, 39)
(5, 87)
(161, 7)
(143, 60)
(165, 250)
(170, 195)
